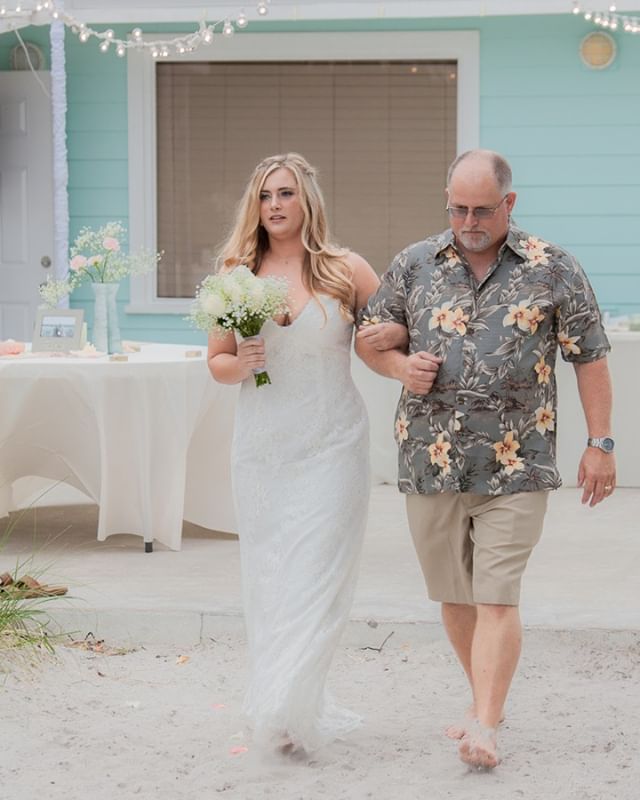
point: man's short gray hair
(499, 164)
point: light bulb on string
(612, 8)
(576, 8)
(180, 44)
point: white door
(26, 199)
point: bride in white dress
(300, 459)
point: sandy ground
(151, 724)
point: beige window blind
(381, 134)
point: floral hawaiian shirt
(488, 425)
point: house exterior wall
(571, 134)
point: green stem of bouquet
(252, 327)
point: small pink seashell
(218, 706)
(238, 750)
(78, 262)
(109, 243)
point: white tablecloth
(147, 439)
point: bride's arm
(231, 363)
(380, 335)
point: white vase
(105, 335)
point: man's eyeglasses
(481, 212)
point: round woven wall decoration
(598, 50)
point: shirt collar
(513, 241)
(444, 240)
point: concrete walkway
(585, 573)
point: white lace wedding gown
(300, 472)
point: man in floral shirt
(487, 306)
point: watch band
(604, 443)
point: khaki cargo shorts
(473, 548)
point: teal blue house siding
(571, 134)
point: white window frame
(460, 46)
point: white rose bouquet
(238, 301)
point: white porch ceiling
(114, 11)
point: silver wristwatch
(605, 443)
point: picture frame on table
(58, 329)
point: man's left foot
(459, 730)
(478, 747)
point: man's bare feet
(458, 729)
(478, 747)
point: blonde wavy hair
(325, 269)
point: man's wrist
(396, 365)
(604, 443)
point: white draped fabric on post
(60, 168)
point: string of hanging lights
(49, 10)
(609, 19)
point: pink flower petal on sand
(238, 750)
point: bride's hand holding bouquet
(240, 301)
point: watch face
(607, 444)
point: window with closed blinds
(381, 134)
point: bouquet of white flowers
(238, 301)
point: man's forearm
(594, 387)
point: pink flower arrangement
(98, 256)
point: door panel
(26, 199)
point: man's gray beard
(476, 244)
